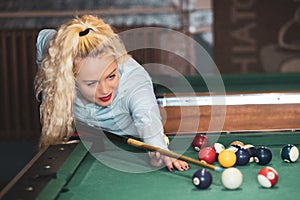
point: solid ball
(232, 178)
(267, 177)
(289, 153)
(242, 156)
(252, 151)
(202, 179)
(207, 154)
(200, 141)
(237, 144)
(227, 158)
(263, 155)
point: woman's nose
(102, 87)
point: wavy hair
(78, 38)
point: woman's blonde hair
(79, 38)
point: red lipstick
(107, 98)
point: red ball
(267, 177)
(207, 154)
(200, 141)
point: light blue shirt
(134, 110)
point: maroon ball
(200, 141)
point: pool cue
(142, 145)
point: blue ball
(263, 155)
(289, 153)
(242, 156)
(202, 179)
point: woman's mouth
(106, 98)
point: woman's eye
(111, 76)
(91, 84)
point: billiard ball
(232, 178)
(218, 147)
(199, 141)
(202, 179)
(237, 144)
(289, 153)
(233, 148)
(207, 154)
(263, 155)
(252, 151)
(227, 158)
(267, 177)
(242, 156)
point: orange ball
(238, 144)
(227, 158)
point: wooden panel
(237, 118)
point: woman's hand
(157, 160)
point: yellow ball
(227, 158)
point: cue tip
(219, 169)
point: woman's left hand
(157, 160)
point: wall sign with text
(252, 36)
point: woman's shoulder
(131, 67)
(43, 38)
(133, 75)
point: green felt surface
(112, 174)
(231, 83)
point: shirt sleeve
(145, 111)
(43, 39)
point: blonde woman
(85, 73)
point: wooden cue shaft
(172, 154)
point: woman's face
(98, 80)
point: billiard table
(109, 169)
(70, 171)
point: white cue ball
(232, 178)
